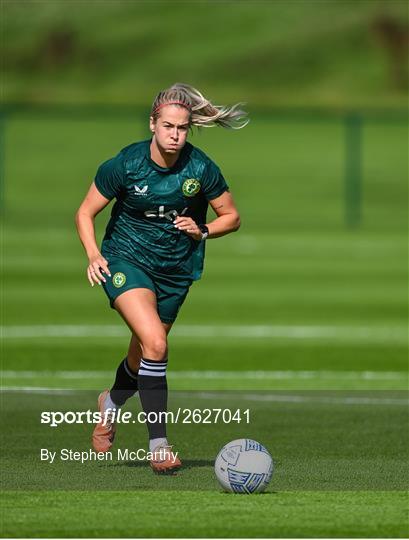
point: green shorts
(170, 291)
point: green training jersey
(148, 199)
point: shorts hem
(167, 320)
(126, 289)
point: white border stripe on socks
(151, 373)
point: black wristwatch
(204, 229)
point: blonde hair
(202, 112)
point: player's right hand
(96, 268)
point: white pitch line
(61, 331)
(398, 334)
(272, 398)
(236, 375)
(38, 390)
(288, 398)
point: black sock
(125, 385)
(153, 392)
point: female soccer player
(154, 246)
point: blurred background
(315, 280)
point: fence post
(353, 170)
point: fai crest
(119, 280)
(190, 187)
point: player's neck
(161, 158)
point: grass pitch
(194, 514)
(344, 452)
(297, 319)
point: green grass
(349, 458)
(297, 52)
(340, 450)
(145, 514)
(286, 379)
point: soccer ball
(244, 466)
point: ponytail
(202, 112)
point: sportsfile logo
(180, 415)
(141, 192)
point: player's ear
(152, 124)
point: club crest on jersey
(190, 187)
(142, 192)
(119, 280)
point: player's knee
(155, 348)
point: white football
(244, 466)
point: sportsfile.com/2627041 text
(180, 415)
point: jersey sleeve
(110, 177)
(214, 183)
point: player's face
(171, 128)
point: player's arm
(92, 204)
(227, 220)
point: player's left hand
(188, 226)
